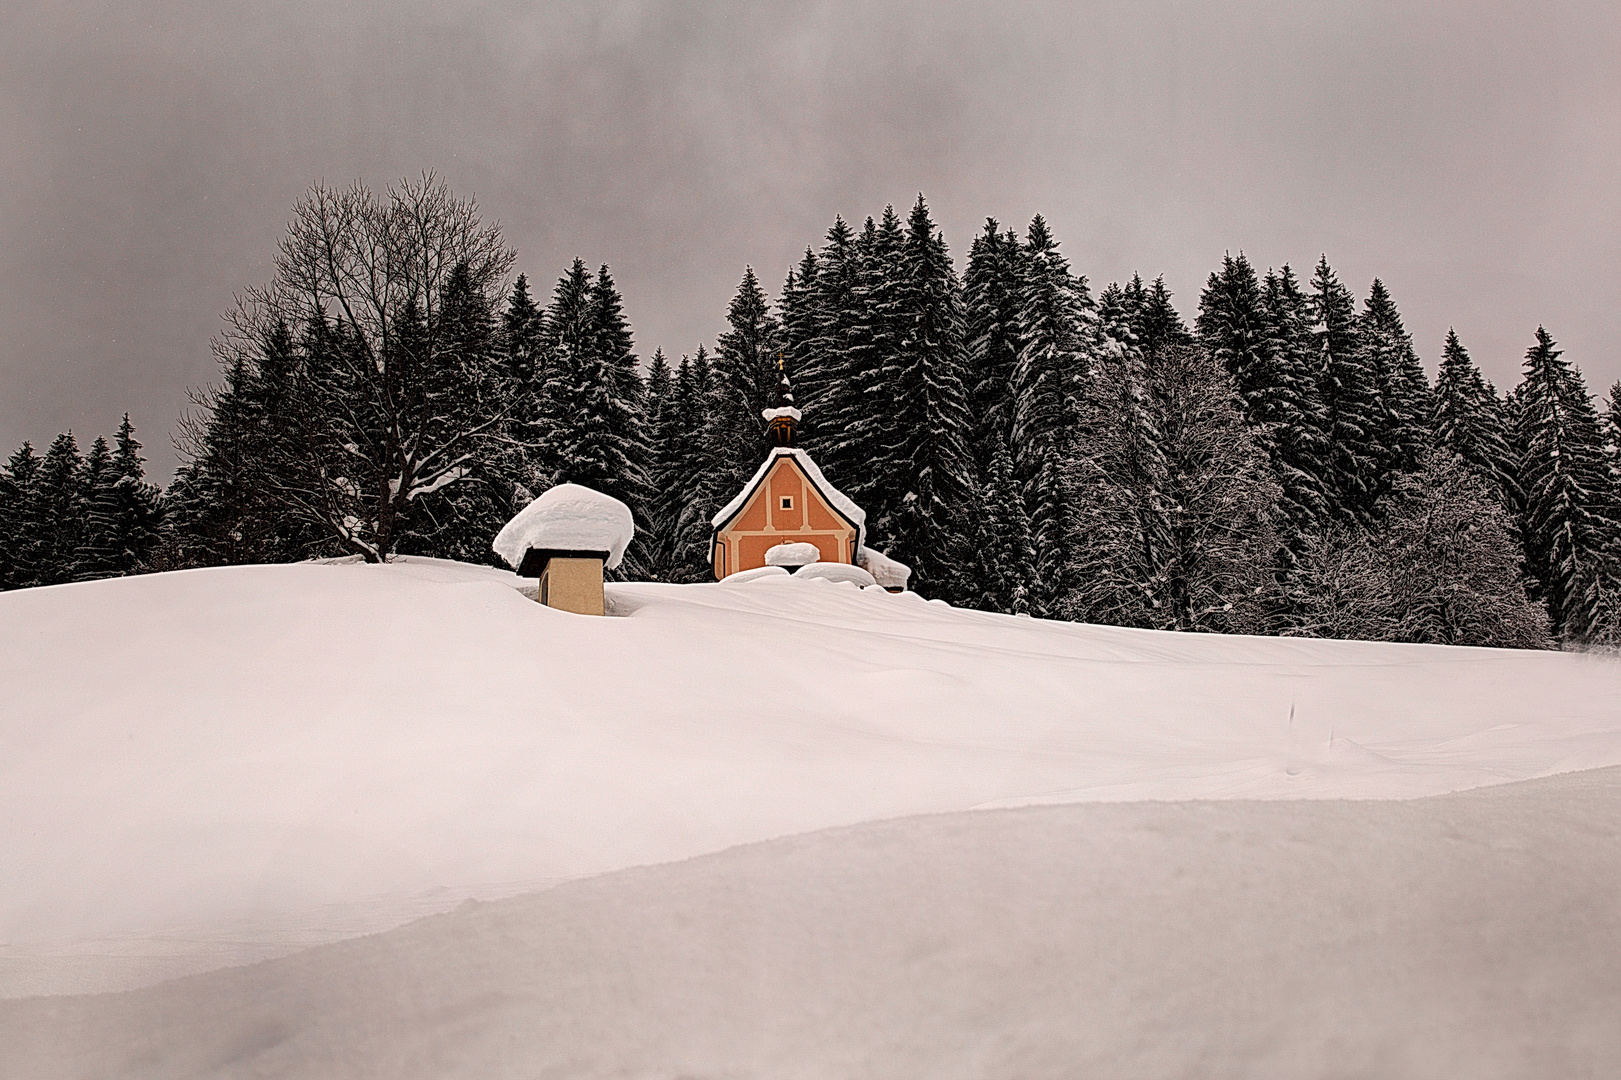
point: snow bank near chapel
(235, 763)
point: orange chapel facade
(788, 501)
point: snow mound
(759, 573)
(793, 555)
(890, 573)
(832, 571)
(568, 517)
(783, 412)
(1468, 935)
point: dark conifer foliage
(1058, 331)
(1005, 554)
(1565, 524)
(663, 407)
(1467, 420)
(594, 427)
(21, 521)
(744, 373)
(1402, 425)
(692, 491)
(992, 288)
(1350, 399)
(124, 513)
(1258, 335)
(61, 502)
(926, 414)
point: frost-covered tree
(1404, 399)
(593, 430)
(928, 420)
(1256, 334)
(1441, 567)
(1057, 330)
(1467, 420)
(1565, 524)
(21, 522)
(1180, 504)
(60, 502)
(1350, 398)
(744, 373)
(1004, 553)
(992, 292)
(381, 411)
(124, 511)
(692, 490)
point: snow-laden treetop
(568, 517)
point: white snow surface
(832, 571)
(833, 495)
(571, 518)
(1472, 935)
(890, 573)
(221, 765)
(787, 411)
(792, 555)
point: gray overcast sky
(1468, 154)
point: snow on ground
(1471, 935)
(216, 766)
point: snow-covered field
(217, 766)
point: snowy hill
(216, 766)
(1472, 935)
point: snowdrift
(218, 766)
(1474, 935)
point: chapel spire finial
(782, 418)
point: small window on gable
(787, 502)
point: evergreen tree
(1405, 405)
(1256, 335)
(863, 453)
(992, 290)
(21, 522)
(1057, 332)
(124, 513)
(1158, 325)
(1006, 556)
(928, 419)
(61, 508)
(595, 430)
(745, 371)
(1562, 475)
(693, 489)
(1181, 504)
(1349, 394)
(1467, 420)
(820, 333)
(666, 438)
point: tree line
(1281, 464)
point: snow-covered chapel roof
(837, 499)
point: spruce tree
(1404, 397)
(1057, 332)
(694, 491)
(821, 339)
(863, 452)
(595, 429)
(1255, 334)
(1355, 458)
(992, 290)
(745, 371)
(665, 433)
(61, 509)
(1005, 554)
(21, 522)
(1563, 526)
(928, 419)
(1467, 420)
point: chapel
(788, 501)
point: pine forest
(1275, 460)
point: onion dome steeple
(782, 418)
